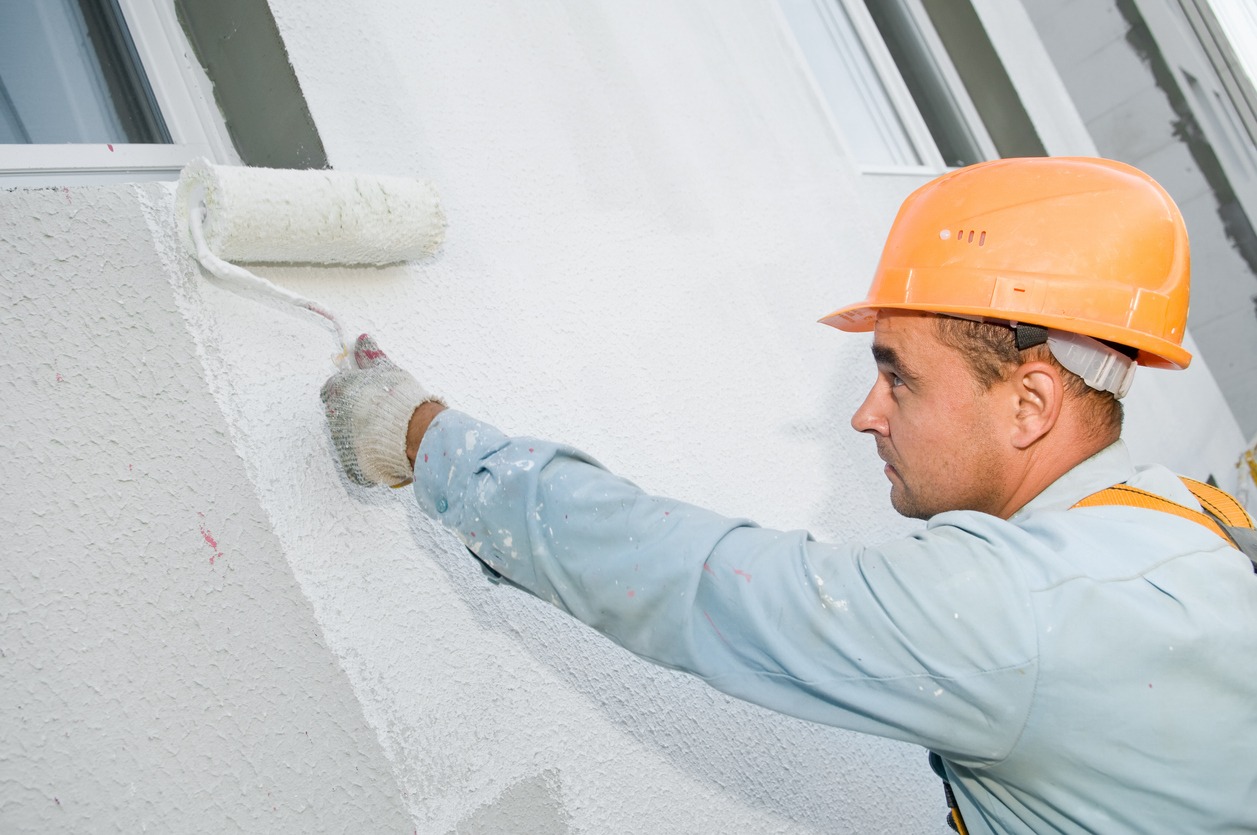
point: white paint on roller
(312, 217)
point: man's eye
(895, 382)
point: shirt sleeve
(928, 640)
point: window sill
(62, 165)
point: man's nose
(870, 417)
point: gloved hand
(368, 409)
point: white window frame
(1018, 46)
(900, 98)
(184, 96)
(1043, 93)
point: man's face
(940, 435)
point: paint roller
(263, 215)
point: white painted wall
(647, 215)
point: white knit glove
(368, 410)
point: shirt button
(442, 505)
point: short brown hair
(990, 349)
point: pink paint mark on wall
(632, 593)
(110, 147)
(209, 540)
(60, 379)
(707, 568)
(742, 573)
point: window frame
(1018, 47)
(184, 96)
(916, 131)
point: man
(1073, 662)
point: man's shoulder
(1056, 545)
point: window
(911, 85)
(96, 92)
(100, 90)
(1205, 48)
(1227, 30)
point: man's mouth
(890, 470)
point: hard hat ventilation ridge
(961, 238)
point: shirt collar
(1111, 465)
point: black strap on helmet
(1029, 336)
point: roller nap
(266, 215)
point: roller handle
(242, 279)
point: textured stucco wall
(647, 214)
(159, 668)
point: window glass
(69, 73)
(994, 102)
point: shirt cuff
(453, 449)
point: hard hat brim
(1153, 353)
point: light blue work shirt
(1088, 670)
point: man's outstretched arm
(840, 634)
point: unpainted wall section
(160, 669)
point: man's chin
(904, 506)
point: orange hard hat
(1081, 245)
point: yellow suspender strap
(1222, 511)
(1124, 494)
(1220, 503)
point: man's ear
(1039, 393)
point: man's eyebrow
(888, 358)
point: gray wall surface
(160, 669)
